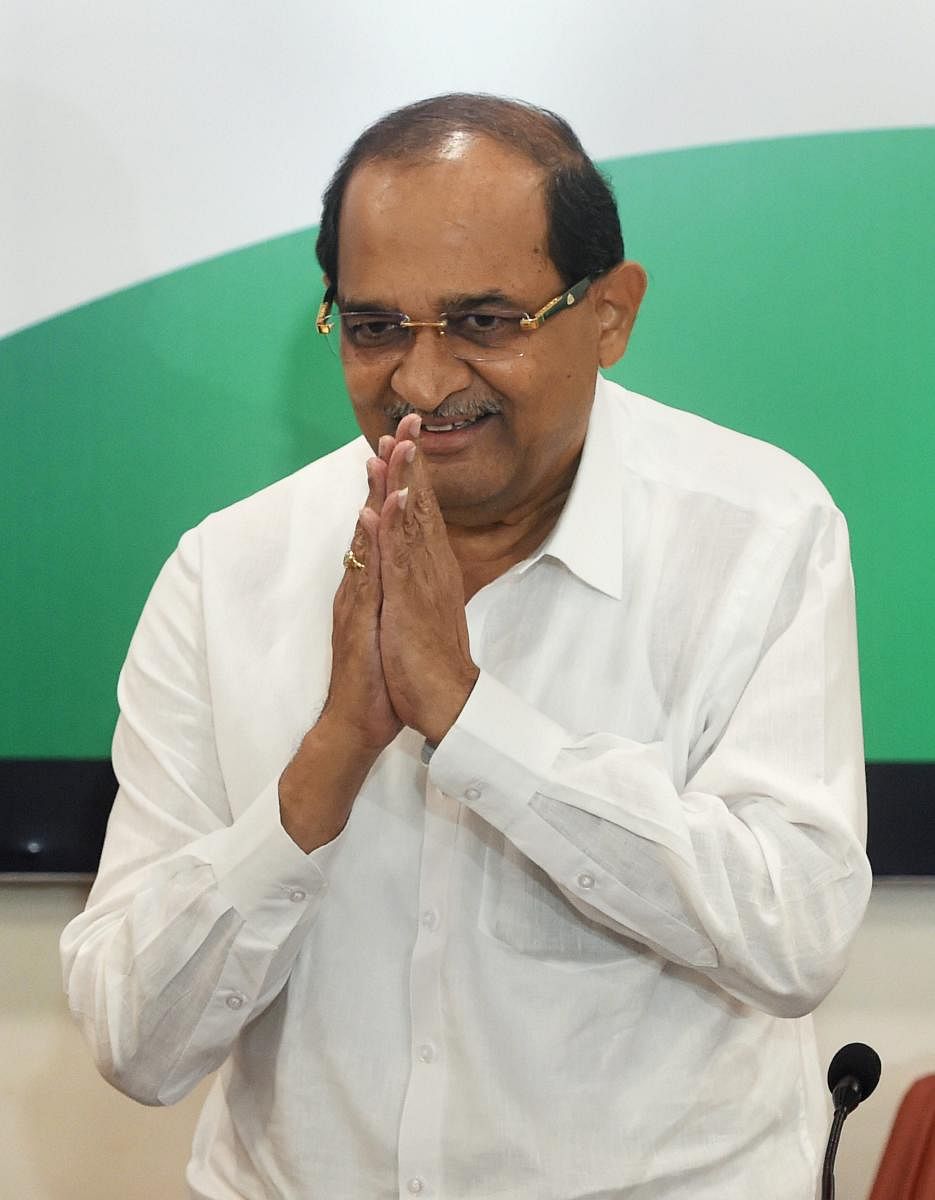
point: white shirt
(569, 961)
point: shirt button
(429, 920)
(297, 895)
(585, 881)
(427, 1053)
(415, 1186)
(472, 794)
(235, 1001)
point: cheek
(551, 420)
(368, 392)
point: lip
(436, 445)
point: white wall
(66, 1135)
(138, 138)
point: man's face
(420, 238)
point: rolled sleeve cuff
(497, 737)
(260, 870)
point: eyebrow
(459, 302)
(476, 299)
(347, 304)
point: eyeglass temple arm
(565, 300)
(324, 310)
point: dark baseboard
(901, 818)
(53, 813)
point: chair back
(907, 1168)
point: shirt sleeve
(745, 863)
(195, 918)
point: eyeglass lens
(473, 337)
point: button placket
(420, 1146)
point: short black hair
(584, 236)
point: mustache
(457, 408)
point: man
(524, 888)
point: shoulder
(691, 454)
(324, 486)
(312, 507)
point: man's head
(481, 205)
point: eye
(483, 326)
(372, 329)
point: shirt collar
(588, 536)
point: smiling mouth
(452, 426)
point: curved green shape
(792, 296)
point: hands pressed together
(400, 651)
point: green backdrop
(792, 295)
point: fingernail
(417, 427)
(401, 497)
(411, 453)
(382, 445)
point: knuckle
(424, 504)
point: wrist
(356, 742)
(447, 708)
(319, 786)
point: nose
(428, 373)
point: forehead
(469, 221)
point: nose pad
(428, 372)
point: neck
(484, 552)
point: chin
(459, 501)
(472, 509)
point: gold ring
(351, 560)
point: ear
(617, 299)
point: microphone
(853, 1074)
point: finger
(407, 471)
(394, 508)
(356, 554)
(399, 473)
(385, 447)
(376, 483)
(395, 546)
(409, 428)
(359, 547)
(369, 521)
(362, 562)
(362, 543)
(407, 433)
(368, 530)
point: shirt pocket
(522, 908)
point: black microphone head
(858, 1062)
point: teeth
(447, 428)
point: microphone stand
(846, 1096)
(827, 1170)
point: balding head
(584, 235)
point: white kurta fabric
(569, 961)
